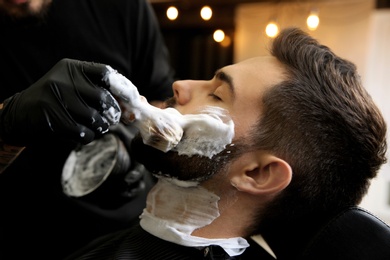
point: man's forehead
(255, 64)
(259, 62)
(264, 71)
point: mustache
(170, 102)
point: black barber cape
(136, 244)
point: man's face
(24, 8)
(237, 88)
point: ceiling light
(172, 13)
(313, 20)
(272, 29)
(206, 13)
(219, 35)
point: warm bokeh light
(219, 35)
(226, 42)
(172, 13)
(313, 21)
(272, 29)
(206, 13)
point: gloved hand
(70, 102)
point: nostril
(176, 93)
(182, 92)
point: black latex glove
(70, 102)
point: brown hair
(324, 124)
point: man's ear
(263, 174)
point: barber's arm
(70, 102)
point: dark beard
(183, 167)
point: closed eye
(215, 97)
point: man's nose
(182, 91)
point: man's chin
(171, 164)
(150, 157)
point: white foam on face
(205, 134)
(174, 212)
(171, 202)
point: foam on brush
(206, 133)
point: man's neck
(185, 208)
(174, 212)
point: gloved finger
(97, 97)
(61, 123)
(95, 72)
(86, 95)
(79, 134)
(101, 109)
(90, 118)
(68, 112)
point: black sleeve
(153, 74)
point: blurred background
(203, 36)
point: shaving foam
(173, 212)
(111, 115)
(206, 133)
(157, 127)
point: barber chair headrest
(353, 234)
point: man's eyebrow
(221, 75)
